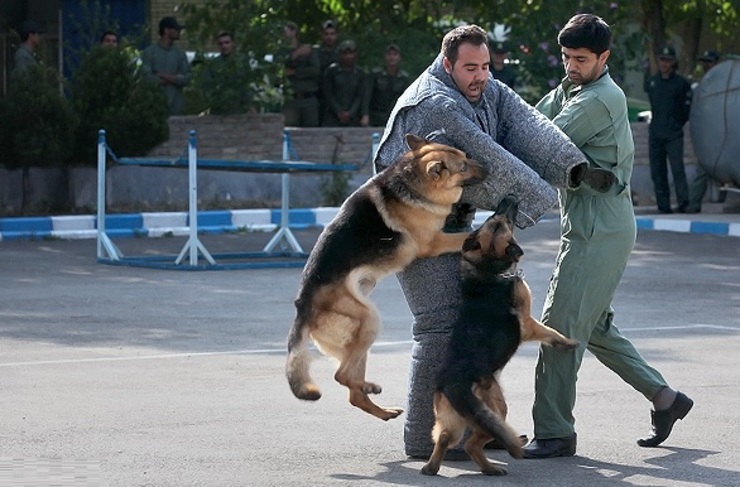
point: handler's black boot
(551, 447)
(663, 421)
(600, 180)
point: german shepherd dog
(495, 318)
(395, 217)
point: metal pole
(104, 243)
(193, 245)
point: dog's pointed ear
(414, 142)
(514, 252)
(434, 169)
(471, 244)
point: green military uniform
(23, 59)
(327, 57)
(597, 235)
(344, 90)
(383, 89)
(159, 59)
(302, 107)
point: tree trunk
(653, 25)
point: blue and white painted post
(374, 150)
(193, 245)
(284, 231)
(105, 245)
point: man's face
(470, 71)
(110, 40)
(329, 37)
(392, 58)
(173, 34)
(581, 65)
(665, 65)
(347, 58)
(225, 45)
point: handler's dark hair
(472, 34)
(586, 30)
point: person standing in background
(344, 89)
(500, 69)
(109, 39)
(670, 103)
(328, 55)
(166, 64)
(303, 77)
(384, 86)
(25, 57)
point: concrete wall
(243, 137)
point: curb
(222, 221)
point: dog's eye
(464, 168)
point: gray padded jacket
(525, 153)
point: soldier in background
(302, 73)
(344, 89)
(384, 86)
(328, 55)
(25, 57)
(500, 69)
(167, 65)
(670, 103)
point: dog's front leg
(444, 243)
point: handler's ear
(447, 65)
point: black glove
(600, 180)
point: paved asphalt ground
(128, 376)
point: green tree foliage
(39, 124)
(418, 25)
(108, 92)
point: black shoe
(682, 209)
(662, 421)
(453, 455)
(551, 447)
(494, 444)
(667, 211)
(693, 209)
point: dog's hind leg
(351, 371)
(474, 448)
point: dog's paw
(371, 388)
(391, 413)
(429, 470)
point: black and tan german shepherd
(395, 217)
(495, 318)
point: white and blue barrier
(283, 250)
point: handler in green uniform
(597, 235)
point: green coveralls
(597, 235)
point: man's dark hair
(106, 34)
(586, 31)
(471, 34)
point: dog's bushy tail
(461, 397)
(296, 367)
